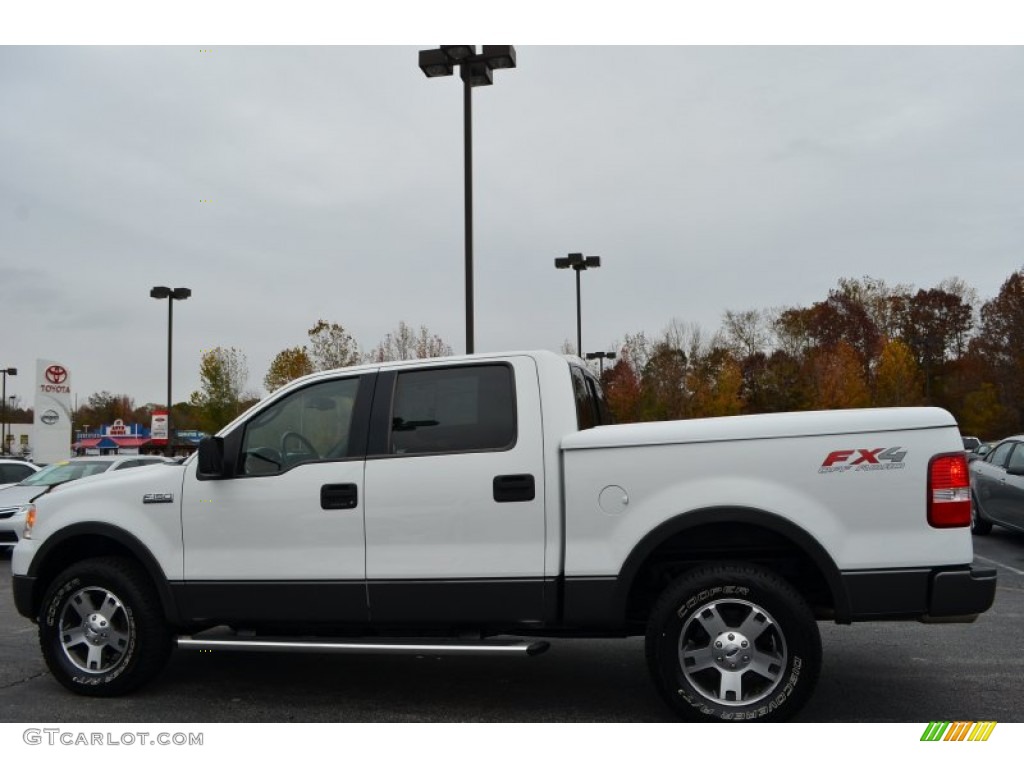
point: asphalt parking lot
(895, 672)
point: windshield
(64, 471)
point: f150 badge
(863, 459)
(158, 498)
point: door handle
(339, 496)
(514, 488)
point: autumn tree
(223, 373)
(897, 379)
(837, 378)
(105, 408)
(404, 343)
(1000, 343)
(621, 386)
(934, 325)
(884, 304)
(715, 382)
(287, 365)
(331, 346)
(746, 333)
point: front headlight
(29, 511)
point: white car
(15, 499)
(14, 471)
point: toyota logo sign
(50, 417)
(56, 374)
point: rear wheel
(100, 627)
(733, 642)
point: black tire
(979, 525)
(101, 629)
(769, 656)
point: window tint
(128, 465)
(586, 408)
(312, 424)
(12, 473)
(448, 410)
(1016, 459)
(998, 456)
(604, 416)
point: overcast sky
(706, 178)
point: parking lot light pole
(578, 262)
(3, 404)
(602, 356)
(474, 69)
(172, 295)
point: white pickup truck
(475, 504)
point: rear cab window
(462, 409)
(591, 406)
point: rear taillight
(949, 491)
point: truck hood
(158, 478)
(761, 427)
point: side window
(128, 465)
(586, 408)
(999, 455)
(453, 410)
(312, 424)
(1016, 463)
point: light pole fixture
(602, 356)
(3, 403)
(578, 262)
(474, 69)
(172, 295)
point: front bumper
(929, 594)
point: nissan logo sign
(49, 417)
(56, 374)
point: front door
(283, 539)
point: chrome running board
(366, 646)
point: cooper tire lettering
(733, 642)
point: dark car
(997, 487)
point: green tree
(287, 365)
(223, 373)
(331, 346)
(983, 414)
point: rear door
(454, 495)
(1012, 491)
(991, 479)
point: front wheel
(733, 642)
(979, 525)
(100, 627)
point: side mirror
(211, 459)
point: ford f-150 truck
(477, 504)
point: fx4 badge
(863, 459)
